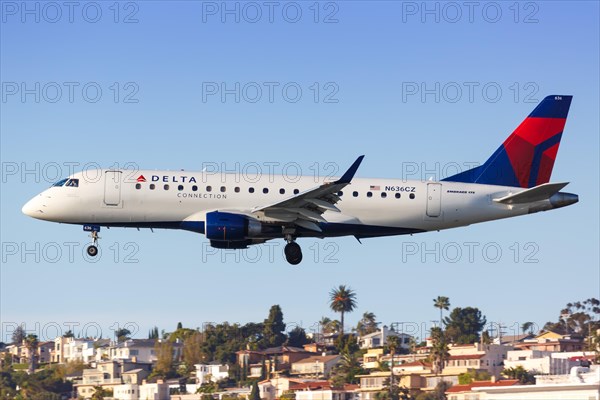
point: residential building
(380, 339)
(212, 372)
(315, 366)
(326, 392)
(551, 341)
(465, 392)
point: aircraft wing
(537, 193)
(306, 208)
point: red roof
(470, 386)
(466, 357)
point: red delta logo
(141, 178)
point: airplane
(514, 181)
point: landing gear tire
(92, 250)
(293, 253)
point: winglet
(348, 175)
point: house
(212, 372)
(476, 356)
(580, 383)
(142, 391)
(380, 339)
(545, 362)
(274, 359)
(70, 349)
(376, 382)
(109, 374)
(326, 392)
(316, 366)
(465, 392)
(372, 358)
(512, 339)
(274, 388)
(552, 341)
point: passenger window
(369, 194)
(397, 195)
(237, 189)
(355, 194)
(251, 190)
(194, 188)
(138, 185)
(166, 187)
(282, 191)
(296, 191)
(412, 195)
(340, 193)
(208, 188)
(152, 186)
(383, 195)
(223, 189)
(180, 188)
(265, 190)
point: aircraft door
(434, 199)
(112, 188)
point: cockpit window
(72, 183)
(61, 182)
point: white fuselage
(181, 200)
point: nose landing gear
(92, 249)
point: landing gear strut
(92, 249)
(292, 250)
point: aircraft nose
(33, 208)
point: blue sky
(155, 67)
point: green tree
(580, 317)
(69, 334)
(520, 373)
(18, 335)
(153, 333)
(439, 393)
(297, 337)
(164, 359)
(192, 351)
(367, 324)
(343, 300)
(472, 375)
(273, 327)
(443, 303)
(464, 325)
(100, 393)
(254, 392)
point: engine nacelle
(229, 227)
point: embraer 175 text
(513, 181)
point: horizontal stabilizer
(538, 193)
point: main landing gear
(292, 250)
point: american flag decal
(374, 187)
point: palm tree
(368, 324)
(443, 303)
(439, 350)
(342, 300)
(31, 344)
(527, 327)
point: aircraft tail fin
(527, 156)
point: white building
(380, 337)
(213, 372)
(581, 383)
(315, 366)
(544, 362)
